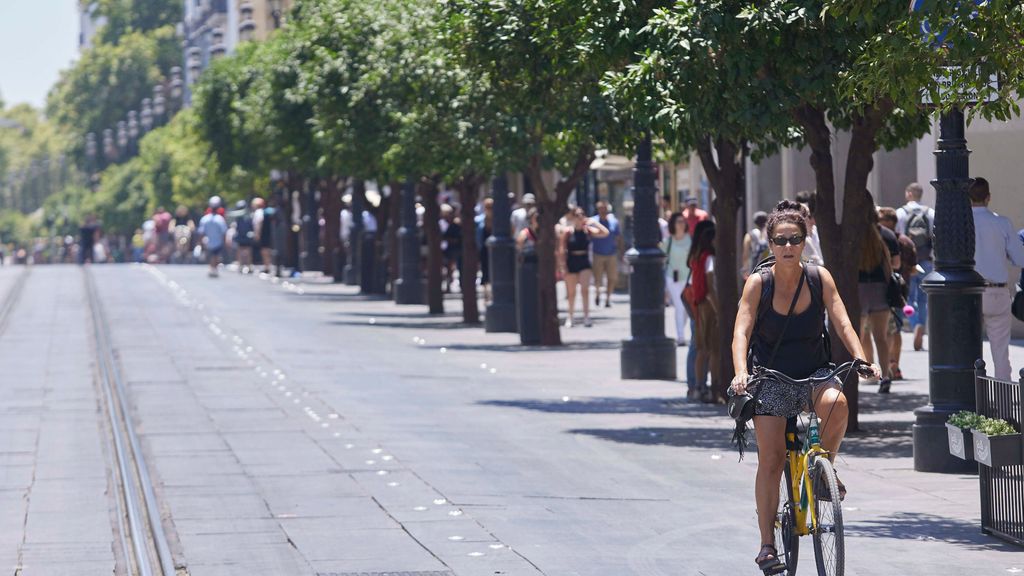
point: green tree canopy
(109, 80)
(124, 17)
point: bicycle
(809, 498)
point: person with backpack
(245, 236)
(755, 243)
(212, 229)
(781, 325)
(917, 222)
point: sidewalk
(575, 470)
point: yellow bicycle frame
(799, 463)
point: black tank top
(802, 350)
(579, 242)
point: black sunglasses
(782, 240)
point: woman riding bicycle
(793, 346)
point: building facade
(257, 19)
(89, 24)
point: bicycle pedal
(780, 569)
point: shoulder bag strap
(785, 324)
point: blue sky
(38, 39)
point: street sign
(945, 81)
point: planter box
(961, 442)
(996, 451)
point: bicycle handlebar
(761, 373)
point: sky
(38, 39)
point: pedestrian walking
(526, 239)
(812, 247)
(451, 244)
(576, 240)
(873, 276)
(484, 230)
(520, 216)
(995, 243)
(677, 273)
(702, 300)
(213, 229)
(917, 222)
(87, 238)
(692, 214)
(607, 253)
(263, 231)
(245, 236)
(906, 265)
(755, 243)
(793, 343)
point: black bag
(1017, 308)
(894, 292)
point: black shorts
(577, 263)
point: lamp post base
(648, 359)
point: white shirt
(518, 220)
(812, 252)
(346, 224)
(903, 214)
(995, 242)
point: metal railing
(1002, 487)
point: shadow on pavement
(336, 297)
(427, 324)
(896, 402)
(709, 438)
(880, 440)
(925, 527)
(610, 405)
(408, 313)
(566, 347)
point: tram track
(142, 540)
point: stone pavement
(304, 429)
(513, 460)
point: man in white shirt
(520, 216)
(995, 242)
(917, 222)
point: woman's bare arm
(745, 316)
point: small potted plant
(997, 443)
(958, 429)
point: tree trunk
(469, 191)
(331, 202)
(727, 176)
(394, 220)
(431, 218)
(842, 241)
(551, 205)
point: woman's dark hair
(673, 220)
(704, 240)
(788, 212)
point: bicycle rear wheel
(787, 541)
(829, 548)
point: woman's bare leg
(571, 280)
(771, 459)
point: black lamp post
(954, 300)
(501, 312)
(409, 286)
(649, 354)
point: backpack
(244, 231)
(919, 230)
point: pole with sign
(954, 291)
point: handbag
(894, 291)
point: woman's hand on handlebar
(739, 383)
(869, 370)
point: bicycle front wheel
(829, 548)
(786, 538)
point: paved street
(303, 429)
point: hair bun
(786, 205)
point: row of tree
(455, 91)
